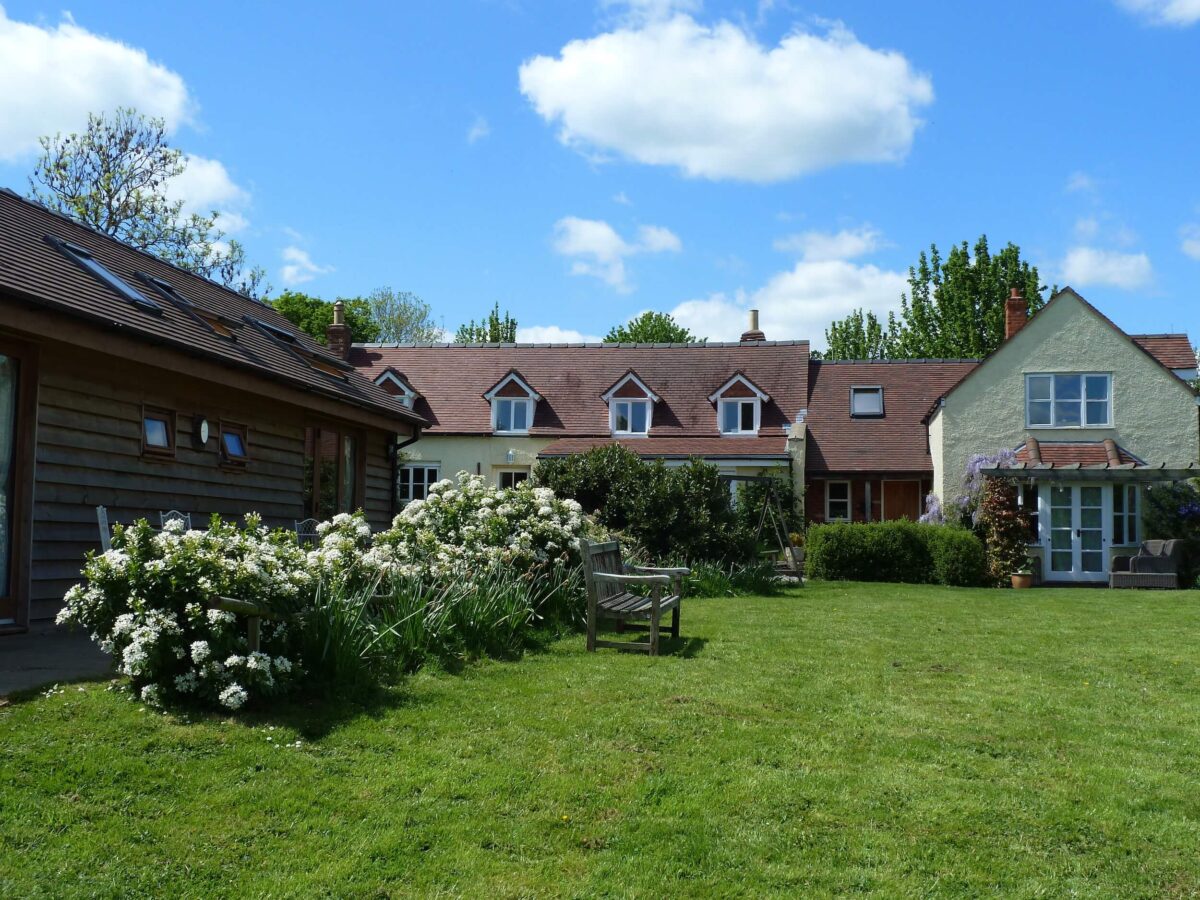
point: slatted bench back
(606, 558)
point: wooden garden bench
(608, 581)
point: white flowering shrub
(148, 602)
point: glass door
(8, 456)
(1078, 534)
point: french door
(1077, 532)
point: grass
(875, 739)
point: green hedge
(895, 551)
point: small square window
(630, 416)
(511, 415)
(234, 449)
(837, 501)
(866, 401)
(739, 416)
(511, 478)
(158, 432)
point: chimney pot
(337, 335)
(1016, 313)
(339, 313)
(754, 333)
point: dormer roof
(739, 385)
(629, 385)
(511, 385)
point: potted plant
(1023, 577)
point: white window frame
(740, 432)
(849, 501)
(631, 401)
(407, 395)
(500, 473)
(1083, 401)
(1131, 517)
(526, 401)
(412, 466)
(856, 389)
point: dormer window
(512, 402)
(630, 406)
(739, 406)
(396, 385)
(866, 401)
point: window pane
(638, 417)
(520, 415)
(729, 417)
(1068, 387)
(839, 490)
(504, 415)
(518, 477)
(1039, 412)
(156, 433)
(1038, 387)
(1067, 414)
(404, 483)
(747, 416)
(621, 417)
(1097, 412)
(866, 401)
(839, 509)
(1097, 387)
(234, 446)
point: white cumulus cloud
(1189, 240)
(205, 186)
(553, 334)
(819, 245)
(1094, 266)
(595, 248)
(54, 75)
(1177, 13)
(299, 267)
(716, 103)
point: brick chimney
(753, 333)
(1016, 313)
(337, 335)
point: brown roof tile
(1069, 453)
(894, 442)
(1172, 350)
(452, 379)
(35, 271)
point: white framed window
(512, 415)
(1125, 515)
(866, 401)
(510, 478)
(629, 416)
(837, 501)
(740, 416)
(413, 481)
(1068, 400)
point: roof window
(86, 261)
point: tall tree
(954, 308)
(114, 177)
(403, 317)
(490, 330)
(313, 316)
(651, 328)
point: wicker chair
(1156, 565)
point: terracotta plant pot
(1022, 580)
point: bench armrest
(632, 579)
(651, 570)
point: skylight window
(86, 261)
(210, 320)
(866, 401)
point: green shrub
(679, 512)
(1005, 529)
(902, 552)
(1172, 511)
(710, 579)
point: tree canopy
(954, 308)
(313, 316)
(651, 328)
(114, 177)
(403, 317)
(490, 330)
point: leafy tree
(402, 316)
(114, 177)
(954, 308)
(491, 330)
(651, 328)
(313, 316)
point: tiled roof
(571, 378)
(41, 274)
(708, 447)
(1172, 350)
(894, 442)
(1075, 453)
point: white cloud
(1093, 266)
(716, 103)
(798, 303)
(479, 130)
(55, 75)
(299, 267)
(596, 249)
(206, 185)
(1080, 182)
(822, 245)
(1177, 13)
(552, 334)
(1087, 228)
(1189, 240)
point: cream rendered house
(1094, 416)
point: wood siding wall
(89, 454)
(815, 496)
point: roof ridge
(451, 345)
(932, 360)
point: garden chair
(1156, 565)
(608, 581)
(306, 533)
(174, 515)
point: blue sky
(582, 162)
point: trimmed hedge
(896, 551)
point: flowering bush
(148, 602)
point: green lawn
(877, 739)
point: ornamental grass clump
(149, 602)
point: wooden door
(901, 500)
